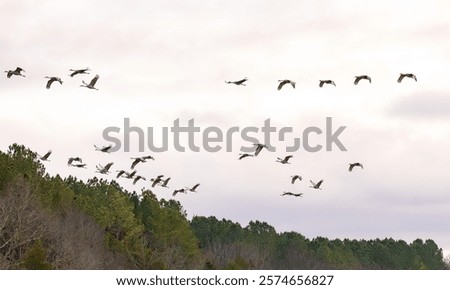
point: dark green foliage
(55, 223)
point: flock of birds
(243, 81)
(77, 162)
(285, 160)
(91, 85)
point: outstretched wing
(400, 78)
(94, 81)
(49, 83)
(195, 187)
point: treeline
(47, 222)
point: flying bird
(412, 76)
(104, 149)
(316, 185)
(46, 156)
(122, 172)
(156, 180)
(178, 191)
(193, 188)
(104, 169)
(130, 175)
(362, 77)
(136, 179)
(244, 155)
(329, 82)
(284, 160)
(81, 165)
(140, 159)
(78, 71)
(283, 82)
(352, 165)
(91, 84)
(238, 83)
(52, 80)
(259, 147)
(165, 182)
(72, 159)
(291, 194)
(295, 177)
(17, 72)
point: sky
(160, 61)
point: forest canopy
(50, 222)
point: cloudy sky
(160, 61)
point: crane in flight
(295, 177)
(284, 160)
(259, 148)
(137, 178)
(104, 149)
(238, 83)
(91, 84)
(78, 71)
(291, 194)
(175, 192)
(362, 77)
(328, 82)
(244, 155)
(17, 72)
(352, 165)
(316, 185)
(46, 156)
(193, 188)
(283, 82)
(143, 159)
(52, 80)
(104, 169)
(412, 76)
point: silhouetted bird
(283, 82)
(238, 83)
(121, 172)
(292, 194)
(259, 147)
(412, 76)
(46, 156)
(17, 72)
(175, 192)
(329, 82)
(165, 182)
(295, 177)
(104, 149)
(363, 77)
(72, 159)
(193, 188)
(51, 80)
(140, 159)
(137, 178)
(156, 180)
(316, 185)
(91, 84)
(244, 155)
(284, 160)
(351, 165)
(104, 169)
(79, 165)
(78, 71)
